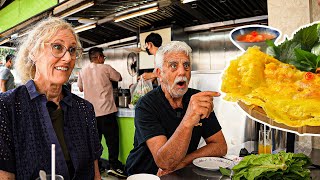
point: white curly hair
(33, 44)
(173, 46)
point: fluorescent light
(187, 1)
(80, 8)
(137, 8)
(66, 6)
(114, 42)
(84, 27)
(7, 47)
(135, 14)
(23, 34)
(4, 41)
(86, 21)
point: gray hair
(33, 44)
(173, 46)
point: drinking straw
(53, 161)
(264, 138)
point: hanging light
(187, 1)
(84, 27)
(75, 10)
(136, 11)
(136, 14)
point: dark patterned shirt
(26, 134)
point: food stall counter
(125, 118)
(125, 112)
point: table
(194, 173)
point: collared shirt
(5, 74)
(26, 134)
(95, 80)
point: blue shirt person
(44, 112)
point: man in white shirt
(153, 42)
(95, 81)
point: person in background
(95, 81)
(6, 77)
(44, 112)
(171, 119)
(153, 42)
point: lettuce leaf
(273, 166)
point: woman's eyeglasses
(59, 50)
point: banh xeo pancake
(286, 94)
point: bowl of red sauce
(253, 35)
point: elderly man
(171, 119)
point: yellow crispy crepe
(286, 94)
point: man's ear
(151, 45)
(158, 72)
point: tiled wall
(315, 11)
(287, 16)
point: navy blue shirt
(155, 116)
(26, 134)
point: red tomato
(254, 33)
(309, 76)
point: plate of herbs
(271, 166)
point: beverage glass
(265, 142)
(48, 177)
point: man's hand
(7, 175)
(162, 172)
(200, 107)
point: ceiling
(170, 13)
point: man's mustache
(180, 79)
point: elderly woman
(44, 112)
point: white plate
(211, 163)
(143, 176)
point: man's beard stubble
(170, 89)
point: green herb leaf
(316, 49)
(294, 51)
(287, 51)
(307, 36)
(225, 171)
(307, 60)
(272, 49)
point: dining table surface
(193, 172)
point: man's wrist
(187, 124)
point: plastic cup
(48, 176)
(265, 142)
